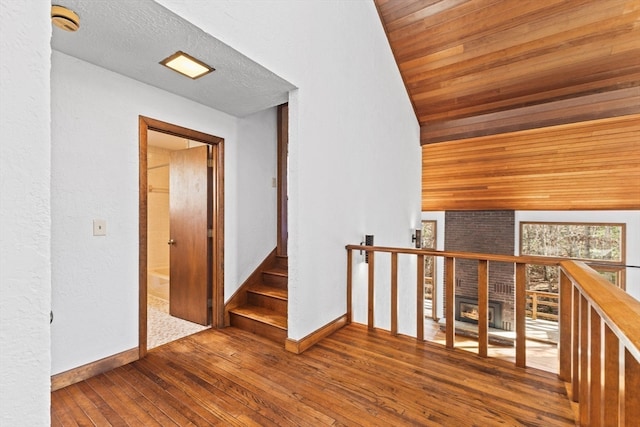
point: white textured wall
(25, 234)
(354, 140)
(255, 199)
(95, 175)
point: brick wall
(491, 232)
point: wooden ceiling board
(473, 58)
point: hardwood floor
(352, 378)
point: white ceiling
(132, 37)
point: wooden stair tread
(262, 314)
(277, 271)
(270, 291)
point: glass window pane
(428, 234)
(589, 242)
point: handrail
(617, 308)
(525, 259)
(599, 346)
(599, 325)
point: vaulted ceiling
(477, 67)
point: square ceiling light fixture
(187, 65)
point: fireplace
(467, 311)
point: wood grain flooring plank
(61, 413)
(135, 397)
(77, 393)
(62, 403)
(207, 395)
(354, 377)
(159, 392)
(251, 389)
(183, 392)
(122, 403)
(107, 413)
(287, 363)
(286, 374)
(473, 379)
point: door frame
(217, 213)
(283, 166)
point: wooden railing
(599, 325)
(599, 347)
(541, 298)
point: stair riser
(275, 304)
(271, 332)
(282, 262)
(275, 280)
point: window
(599, 245)
(428, 234)
(429, 242)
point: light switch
(99, 227)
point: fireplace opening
(467, 311)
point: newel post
(394, 294)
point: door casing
(217, 213)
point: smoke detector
(64, 18)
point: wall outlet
(99, 227)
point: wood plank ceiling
(480, 67)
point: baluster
(394, 294)
(595, 390)
(632, 389)
(370, 293)
(520, 315)
(483, 307)
(575, 343)
(450, 272)
(611, 377)
(564, 346)
(434, 293)
(420, 299)
(584, 362)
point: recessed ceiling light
(64, 18)
(187, 65)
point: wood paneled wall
(482, 67)
(592, 165)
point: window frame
(617, 267)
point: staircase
(264, 310)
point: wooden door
(190, 248)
